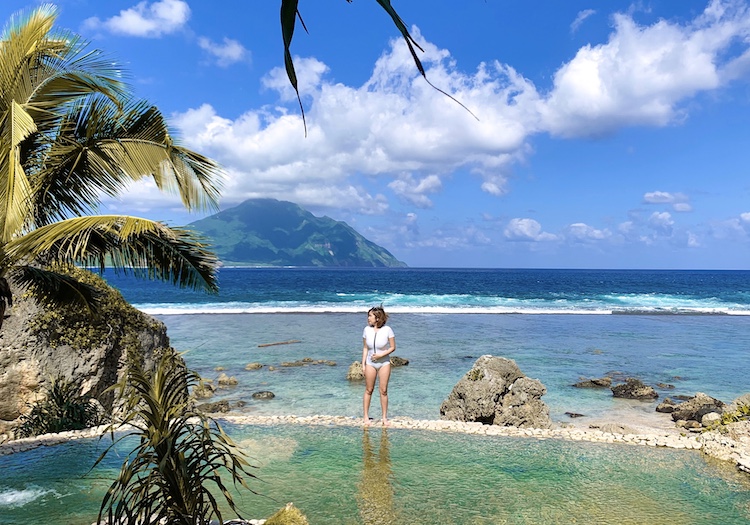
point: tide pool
(354, 476)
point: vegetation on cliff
(268, 232)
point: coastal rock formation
(264, 394)
(398, 361)
(602, 382)
(634, 389)
(289, 515)
(214, 408)
(496, 392)
(355, 372)
(225, 380)
(695, 408)
(742, 401)
(37, 343)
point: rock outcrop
(39, 343)
(696, 408)
(496, 392)
(355, 372)
(601, 382)
(634, 389)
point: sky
(596, 134)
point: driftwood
(279, 343)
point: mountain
(268, 232)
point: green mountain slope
(268, 232)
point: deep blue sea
(680, 331)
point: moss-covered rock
(38, 343)
(289, 515)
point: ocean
(682, 332)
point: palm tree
(71, 133)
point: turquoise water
(690, 330)
(351, 476)
(691, 353)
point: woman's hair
(380, 316)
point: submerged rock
(289, 515)
(264, 394)
(214, 408)
(496, 392)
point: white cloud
(526, 230)
(692, 240)
(582, 15)
(661, 222)
(227, 53)
(642, 74)
(584, 233)
(679, 201)
(394, 123)
(145, 19)
(415, 191)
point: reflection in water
(375, 494)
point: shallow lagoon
(351, 476)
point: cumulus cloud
(145, 19)
(643, 73)
(679, 201)
(526, 230)
(414, 191)
(582, 232)
(225, 53)
(661, 223)
(395, 124)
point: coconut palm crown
(70, 133)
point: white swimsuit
(375, 340)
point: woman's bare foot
(366, 421)
(386, 423)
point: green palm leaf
(70, 133)
(145, 247)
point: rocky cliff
(39, 343)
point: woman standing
(378, 342)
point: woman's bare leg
(370, 375)
(384, 374)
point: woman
(378, 342)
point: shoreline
(732, 446)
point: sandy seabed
(636, 428)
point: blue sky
(607, 137)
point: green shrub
(180, 452)
(64, 408)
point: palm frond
(101, 149)
(16, 125)
(56, 288)
(147, 248)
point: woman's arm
(364, 352)
(390, 350)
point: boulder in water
(496, 392)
